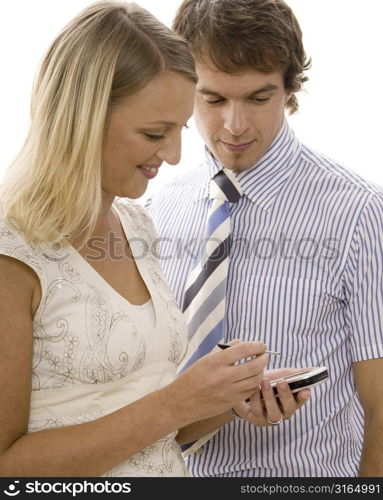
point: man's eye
(261, 99)
(216, 101)
(154, 137)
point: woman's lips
(237, 148)
(149, 171)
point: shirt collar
(262, 182)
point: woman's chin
(133, 194)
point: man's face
(239, 115)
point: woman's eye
(154, 137)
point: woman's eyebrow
(161, 122)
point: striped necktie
(204, 299)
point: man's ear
(288, 95)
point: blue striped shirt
(305, 277)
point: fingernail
(265, 385)
(283, 385)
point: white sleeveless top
(93, 351)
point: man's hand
(265, 408)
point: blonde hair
(110, 50)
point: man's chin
(237, 165)
(238, 162)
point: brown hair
(240, 34)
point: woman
(91, 336)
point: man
(306, 255)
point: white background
(340, 110)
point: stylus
(225, 346)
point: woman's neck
(107, 222)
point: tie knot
(225, 186)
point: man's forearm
(371, 464)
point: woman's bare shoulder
(19, 282)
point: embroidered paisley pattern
(86, 336)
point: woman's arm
(196, 430)
(92, 448)
(89, 449)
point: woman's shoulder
(132, 207)
(135, 214)
(14, 244)
(10, 237)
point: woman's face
(142, 131)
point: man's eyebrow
(206, 91)
(267, 88)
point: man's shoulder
(332, 168)
(183, 186)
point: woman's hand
(264, 408)
(216, 382)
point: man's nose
(235, 120)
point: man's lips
(237, 148)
